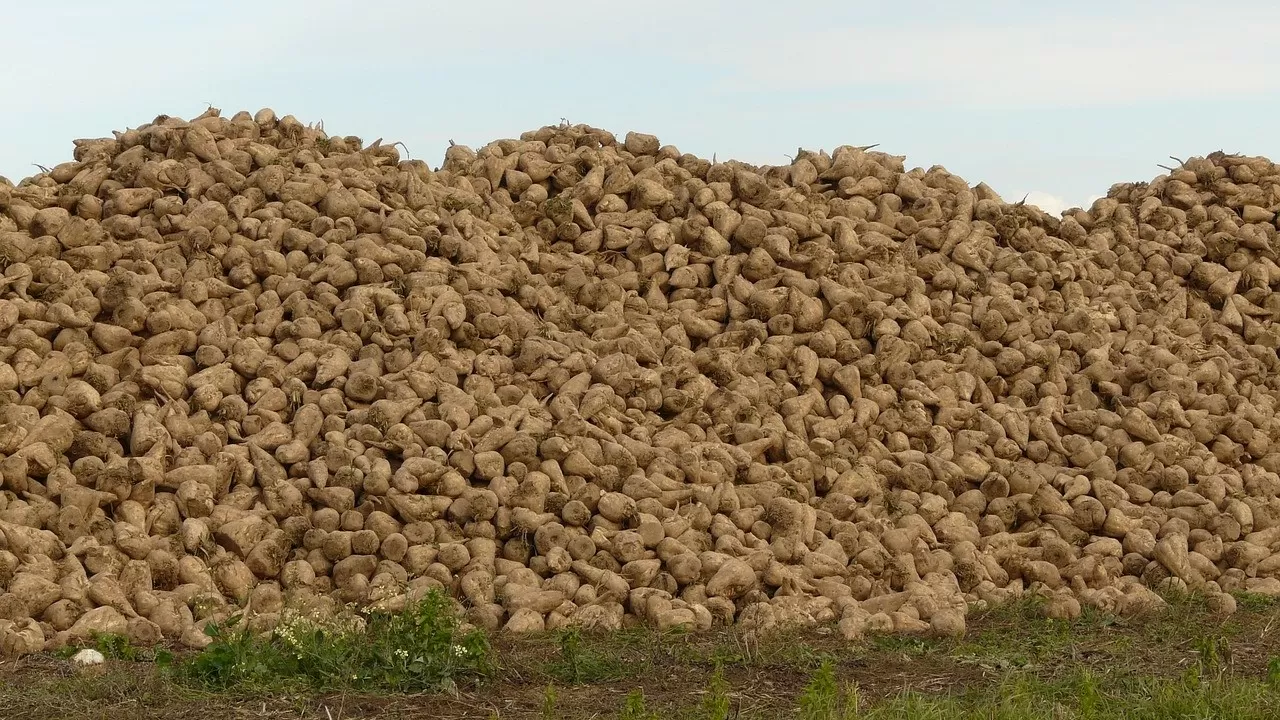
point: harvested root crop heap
(574, 380)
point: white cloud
(1051, 204)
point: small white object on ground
(88, 656)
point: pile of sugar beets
(573, 380)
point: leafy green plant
(1089, 696)
(1255, 602)
(906, 645)
(420, 648)
(1214, 656)
(116, 647)
(119, 647)
(633, 708)
(549, 703)
(715, 704)
(580, 664)
(822, 699)
(571, 652)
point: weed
(119, 647)
(821, 699)
(901, 644)
(1029, 608)
(418, 649)
(571, 652)
(740, 654)
(784, 650)
(1213, 655)
(1180, 599)
(1192, 698)
(1256, 602)
(1089, 695)
(549, 703)
(715, 704)
(633, 708)
(1043, 670)
(116, 647)
(579, 664)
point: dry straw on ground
(581, 380)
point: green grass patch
(715, 703)
(635, 708)
(418, 649)
(581, 662)
(909, 646)
(1019, 636)
(824, 699)
(730, 648)
(1084, 696)
(1014, 664)
(549, 700)
(1256, 603)
(119, 647)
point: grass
(715, 703)
(419, 649)
(823, 698)
(634, 708)
(119, 647)
(1013, 664)
(579, 664)
(1084, 697)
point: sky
(1051, 101)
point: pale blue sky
(1055, 98)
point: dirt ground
(674, 672)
